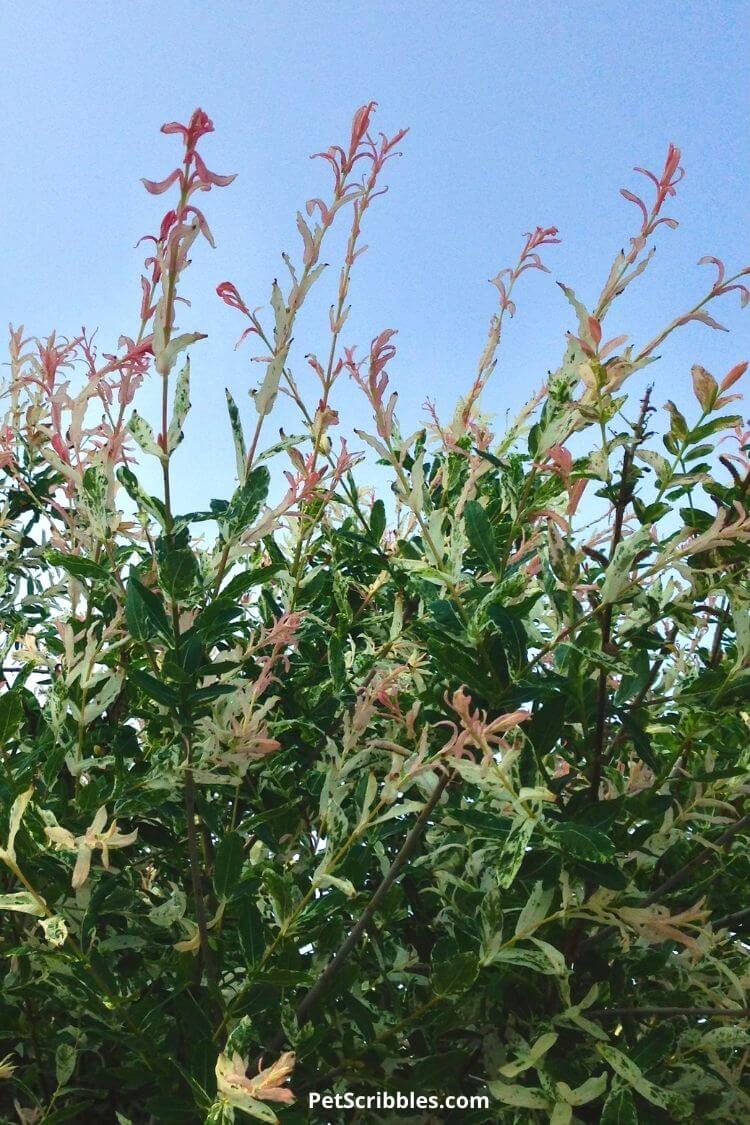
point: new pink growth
(562, 465)
(505, 282)
(376, 382)
(666, 187)
(178, 230)
(721, 286)
(476, 729)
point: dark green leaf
(145, 615)
(247, 501)
(250, 930)
(77, 565)
(153, 688)
(455, 975)
(336, 662)
(619, 1108)
(377, 520)
(11, 714)
(582, 841)
(480, 535)
(228, 861)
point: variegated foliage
(312, 790)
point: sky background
(520, 114)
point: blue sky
(520, 114)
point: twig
(667, 1013)
(323, 983)
(730, 919)
(673, 880)
(680, 875)
(195, 876)
(597, 762)
(715, 656)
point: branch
(675, 879)
(730, 919)
(666, 1013)
(680, 875)
(195, 877)
(323, 983)
(623, 498)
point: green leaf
(619, 1108)
(230, 856)
(524, 959)
(171, 910)
(580, 311)
(177, 566)
(250, 931)
(514, 850)
(725, 422)
(151, 505)
(145, 615)
(336, 662)
(144, 435)
(617, 575)
(23, 902)
(523, 1096)
(11, 715)
(246, 502)
(449, 978)
(238, 437)
(180, 408)
(627, 1070)
(583, 841)
(377, 520)
(257, 1109)
(77, 565)
(480, 534)
(528, 1057)
(281, 892)
(659, 464)
(153, 688)
(95, 488)
(634, 724)
(165, 357)
(283, 978)
(17, 810)
(535, 909)
(600, 814)
(547, 723)
(245, 581)
(513, 633)
(65, 1063)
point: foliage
(443, 791)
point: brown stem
(623, 497)
(676, 879)
(666, 1013)
(31, 1020)
(715, 656)
(730, 919)
(195, 876)
(651, 679)
(323, 983)
(679, 875)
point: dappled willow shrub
(316, 792)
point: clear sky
(521, 113)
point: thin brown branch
(195, 877)
(324, 981)
(669, 1013)
(730, 920)
(623, 498)
(675, 879)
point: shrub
(444, 792)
